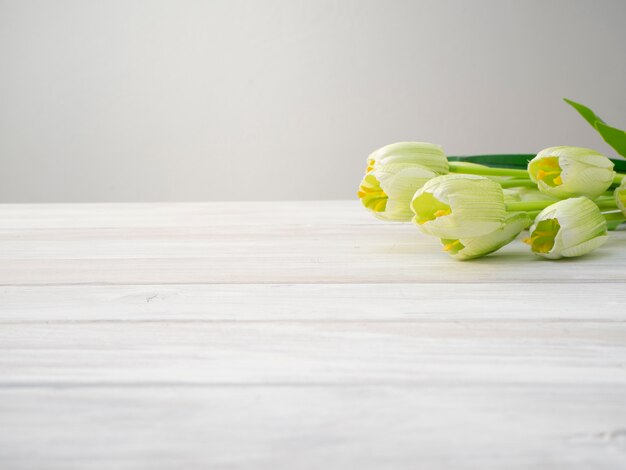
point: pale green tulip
(459, 206)
(563, 172)
(568, 228)
(425, 154)
(470, 248)
(388, 189)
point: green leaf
(516, 161)
(585, 112)
(616, 138)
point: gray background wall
(234, 100)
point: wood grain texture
(272, 243)
(310, 427)
(314, 302)
(455, 352)
(298, 336)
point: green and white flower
(388, 189)
(470, 248)
(458, 206)
(425, 154)
(563, 172)
(568, 228)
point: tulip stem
(614, 216)
(606, 203)
(459, 167)
(614, 220)
(515, 183)
(530, 206)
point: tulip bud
(459, 206)
(427, 155)
(470, 248)
(568, 228)
(388, 189)
(563, 172)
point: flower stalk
(614, 216)
(459, 167)
(528, 206)
(517, 183)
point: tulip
(564, 172)
(388, 189)
(427, 155)
(458, 206)
(470, 248)
(568, 228)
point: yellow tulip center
(371, 194)
(452, 246)
(427, 207)
(541, 239)
(370, 165)
(549, 171)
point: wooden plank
(254, 243)
(307, 427)
(392, 255)
(333, 242)
(204, 243)
(182, 215)
(443, 352)
(314, 302)
(513, 265)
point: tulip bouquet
(568, 198)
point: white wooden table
(298, 336)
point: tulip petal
(568, 228)
(585, 247)
(471, 248)
(458, 206)
(564, 172)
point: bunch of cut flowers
(567, 198)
